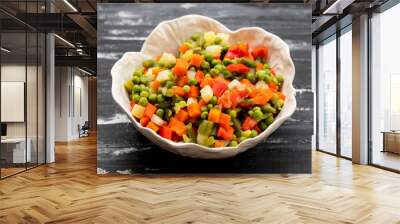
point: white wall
(70, 83)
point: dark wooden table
(124, 27)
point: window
(346, 93)
(385, 89)
(327, 96)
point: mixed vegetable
(214, 94)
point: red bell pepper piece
(260, 52)
(225, 133)
(219, 87)
(238, 51)
(249, 123)
(241, 68)
(165, 132)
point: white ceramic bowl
(167, 37)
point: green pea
(250, 76)
(233, 143)
(136, 79)
(215, 62)
(261, 75)
(148, 63)
(169, 84)
(143, 101)
(257, 115)
(143, 88)
(280, 78)
(242, 138)
(262, 125)
(219, 67)
(195, 37)
(253, 133)
(266, 66)
(186, 88)
(168, 114)
(144, 94)
(169, 93)
(251, 112)
(210, 106)
(256, 108)
(269, 120)
(144, 79)
(214, 72)
(208, 56)
(192, 82)
(136, 89)
(246, 133)
(204, 115)
(160, 112)
(227, 74)
(128, 85)
(160, 98)
(153, 97)
(227, 62)
(136, 98)
(248, 62)
(267, 108)
(213, 100)
(139, 72)
(233, 113)
(205, 65)
(217, 40)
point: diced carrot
(263, 97)
(248, 123)
(206, 81)
(144, 120)
(152, 126)
(193, 92)
(246, 82)
(225, 101)
(178, 91)
(149, 110)
(273, 86)
(177, 126)
(194, 110)
(155, 85)
(202, 102)
(165, 132)
(253, 91)
(219, 143)
(259, 67)
(155, 70)
(196, 60)
(214, 115)
(183, 48)
(224, 120)
(219, 87)
(132, 103)
(281, 95)
(199, 76)
(182, 115)
(183, 80)
(225, 133)
(180, 68)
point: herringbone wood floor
(70, 191)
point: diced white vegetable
(157, 120)
(187, 55)
(235, 84)
(191, 74)
(149, 74)
(191, 100)
(164, 75)
(167, 59)
(209, 37)
(261, 85)
(206, 93)
(137, 111)
(224, 37)
(214, 49)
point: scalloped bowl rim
(242, 146)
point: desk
(391, 141)
(15, 148)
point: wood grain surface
(70, 191)
(124, 27)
